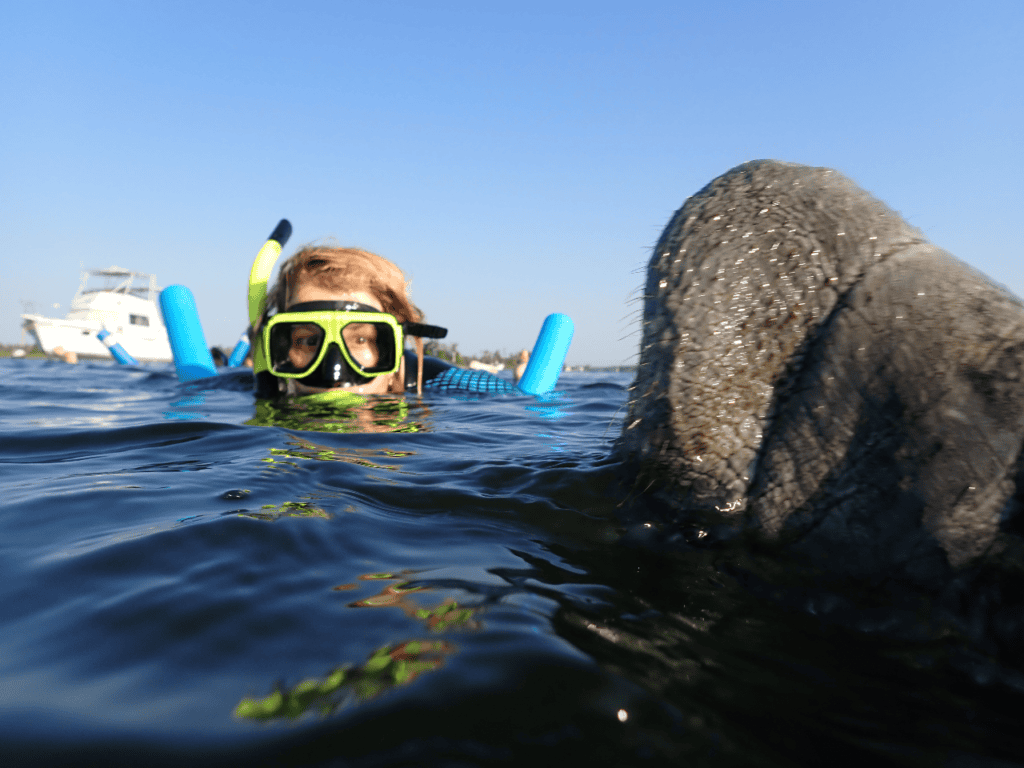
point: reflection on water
(387, 667)
(344, 414)
(304, 448)
(287, 509)
(186, 408)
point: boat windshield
(118, 280)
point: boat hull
(79, 336)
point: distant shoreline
(30, 350)
(450, 352)
(445, 353)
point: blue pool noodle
(192, 359)
(240, 351)
(119, 353)
(548, 355)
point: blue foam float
(539, 378)
(112, 343)
(541, 374)
(240, 351)
(192, 358)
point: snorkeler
(335, 323)
(524, 359)
(336, 319)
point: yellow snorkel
(259, 276)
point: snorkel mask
(332, 345)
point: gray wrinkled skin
(812, 368)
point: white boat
(120, 300)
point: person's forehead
(310, 292)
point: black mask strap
(424, 331)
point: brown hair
(345, 269)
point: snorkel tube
(259, 276)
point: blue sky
(515, 159)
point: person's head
(323, 270)
(321, 281)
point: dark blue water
(186, 580)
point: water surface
(185, 579)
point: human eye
(305, 336)
(361, 340)
(360, 333)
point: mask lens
(371, 346)
(294, 347)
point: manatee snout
(813, 369)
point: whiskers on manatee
(813, 371)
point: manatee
(815, 373)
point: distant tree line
(450, 352)
(31, 350)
